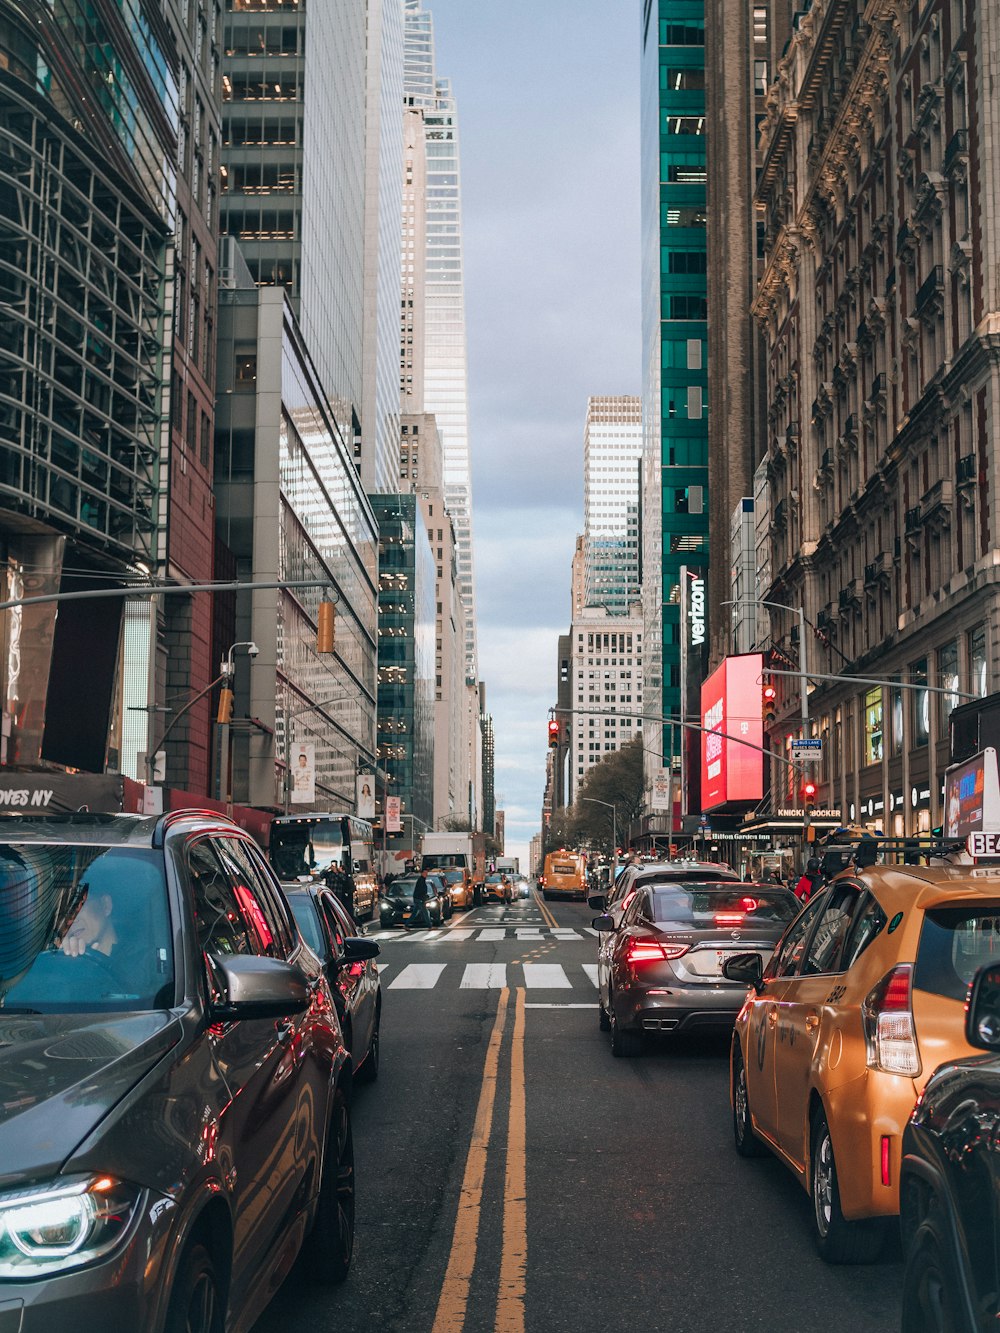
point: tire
(196, 1302)
(625, 1045)
(604, 1022)
(546, 895)
(331, 1241)
(745, 1141)
(931, 1297)
(368, 1072)
(837, 1240)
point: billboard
(365, 796)
(731, 770)
(393, 814)
(303, 759)
(972, 796)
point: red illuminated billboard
(731, 771)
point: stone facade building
(880, 305)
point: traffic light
(809, 797)
(769, 704)
(553, 733)
(225, 712)
(326, 632)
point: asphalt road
(597, 1195)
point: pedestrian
(809, 881)
(421, 918)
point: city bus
(319, 846)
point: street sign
(807, 749)
(983, 844)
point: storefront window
(947, 673)
(896, 704)
(920, 703)
(977, 660)
(873, 726)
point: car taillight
(729, 918)
(887, 1016)
(652, 951)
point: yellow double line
(454, 1300)
(547, 916)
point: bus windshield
(306, 847)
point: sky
(548, 102)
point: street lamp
(226, 673)
(614, 831)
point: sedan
(178, 1116)
(498, 888)
(348, 960)
(662, 968)
(396, 906)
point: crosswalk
(490, 976)
(481, 934)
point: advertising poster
(972, 796)
(366, 796)
(393, 815)
(661, 790)
(732, 762)
(304, 773)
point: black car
(175, 1105)
(349, 962)
(950, 1183)
(396, 905)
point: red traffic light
(769, 703)
(553, 732)
(809, 791)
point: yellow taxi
(863, 997)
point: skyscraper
(443, 334)
(612, 452)
(675, 447)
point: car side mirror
(982, 1017)
(746, 968)
(597, 901)
(358, 949)
(256, 987)
(604, 923)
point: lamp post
(592, 800)
(226, 672)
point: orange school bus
(564, 876)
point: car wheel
(196, 1303)
(368, 1072)
(931, 1302)
(624, 1044)
(838, 1241)
(331, 1241)
(604, 1022)
(746, 1142)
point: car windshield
(453, 876)
(304, 911)
(83, 929)
(705, 907)
(403, 888)
(954, 943)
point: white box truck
(457, 851)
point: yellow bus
(564, 875)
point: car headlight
(51, 1228)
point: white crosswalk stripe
(546, 976)
(483, 934)
(418, 976)
(591, 971)
(484, 976)
(493, 933)
(449, 936)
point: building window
(947, 672)
(873, 726)
(977, 661)
(921, 703)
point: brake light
(749, 904)
(885, 1159)
(729, 918)
(652, 951)
(887, 1018)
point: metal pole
(286, 784)
(803, 675)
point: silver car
(660, 965)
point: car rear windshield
(564, 868)
(954, 943)
(683, 906)
(83, 929)
(304, 911)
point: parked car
(348, 960)
(864, 995)
(181, 1120)
(948, 1186)
(396, 904)
(662, 968)
(498, 887)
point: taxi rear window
(704, 907)
(954, 943)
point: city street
(595, 1194)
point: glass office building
(675, 429)
(612, 452)
(406, 618)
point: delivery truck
(457, 851)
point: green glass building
(675, 408)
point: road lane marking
(547, 916)
(454, 1298)
(565, 933)
(493, 933)
(546, 976)
(559, 1006)
(591, 971)
(418, 976)
(528, 933)
(484, 976)
(450, 935)
(514, 1252)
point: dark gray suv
(174, 1089)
